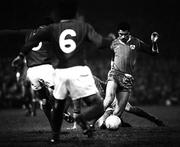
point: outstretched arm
(35, 37)
(20, 32)
(97, 39)
(41, 34)
(153, 48)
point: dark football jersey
(68, 38)
(38, 55)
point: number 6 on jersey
(67, 45)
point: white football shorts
(77, 82)
(42, 72)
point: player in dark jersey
(37, 57)
(39, 71)
(120, 76)
(28, 98)
(72, 78)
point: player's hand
(154, 37)
(17, 62)
(111, 35)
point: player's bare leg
(141, 113)
(122, 99)
(102, 119)
(110, 94)
(76, 111)
(107, 113)
(67, 115)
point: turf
(18, 130)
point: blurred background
(157, 78)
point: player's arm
(98, 39)
(38, 36)
(21, 32)
(41, 34)
(153, 48)
(112, 56)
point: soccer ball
(113, 122)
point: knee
(109, 96)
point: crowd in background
(157, 81)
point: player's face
(123, 35)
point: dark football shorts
(125, 81)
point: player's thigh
(111, 89)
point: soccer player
(101, 85)
(37, 60)
(120, 76)
(73, 78)
(39, 70)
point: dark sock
(57, 116)
(141, 113)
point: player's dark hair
(125, 26)
(66, 9)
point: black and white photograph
(89, 73)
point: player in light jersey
(120, 76)
(101, 85)
(72, 78)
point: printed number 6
(67, 45)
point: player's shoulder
(82, 26)
(80, 23)
(135, 39)
(36, 30)
(43, 29)
(115, 41)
